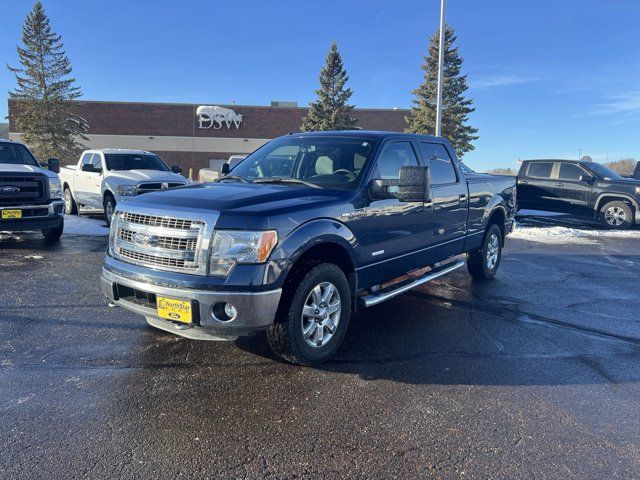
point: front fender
(305, 237)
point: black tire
(478, 261)
(70, 205)
(109, 205)
(53, 234)
(616, 215)
(286, 337)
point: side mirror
(413, 184)
(176, 169)
(86, 167)
(53, 164)
(587, 179)
(225, 168)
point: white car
(106, 177)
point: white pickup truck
(106, 177)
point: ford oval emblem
(9, 190)
(142, 239)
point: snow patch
(569, 235)
(77, 225)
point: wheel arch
(318, 241)
(605, 198)
(497, 215)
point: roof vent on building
(283, 104)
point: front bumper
(51, 216)
(256, 310)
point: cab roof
(371, 134)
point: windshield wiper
(286, 180)
(232, 177)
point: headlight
(127, 190)
(637, 190)
(234, 246)
(55, 188)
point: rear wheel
(70, 206)
(483, 263)
(109, 205)
(54, 234)
(616, 215)
(313, 325)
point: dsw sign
(214, 117)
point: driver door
(395, 229)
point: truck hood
(136, 176)
(18, 168)
(241, 198)
(622, 181)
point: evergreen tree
(455, 107)
(331, 111)
(45, 112)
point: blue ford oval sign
(9, 190)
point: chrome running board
(390, 292)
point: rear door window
(540, 170)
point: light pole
(440, 71)
(579, 153)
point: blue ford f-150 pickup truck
(300, 234)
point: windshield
(328, 162)
(16, 154)
(465, 168)
(602, 171)
(134, 161)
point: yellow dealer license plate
(10, 214)
(176, 310)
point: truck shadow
(439, 334)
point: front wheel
(109, 205)
(616, 215)
(483, 263)
(70, 206)
(53, 234)
(313, 325)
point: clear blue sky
(548, 77)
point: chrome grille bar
(159, 242)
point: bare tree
(624, 166)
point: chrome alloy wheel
(615, 216)
(493, 251)
(321, 314)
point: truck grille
(153, 221)
(170, 243)
(31, 189)
(155, 186)
(163, 243)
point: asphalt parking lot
(532, 375)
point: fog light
(224, 312)
(230, 311)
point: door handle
(560, 185)
(463, 198)
(525, 182)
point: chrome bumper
(54, 207)
(256, 310)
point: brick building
(197, 136)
